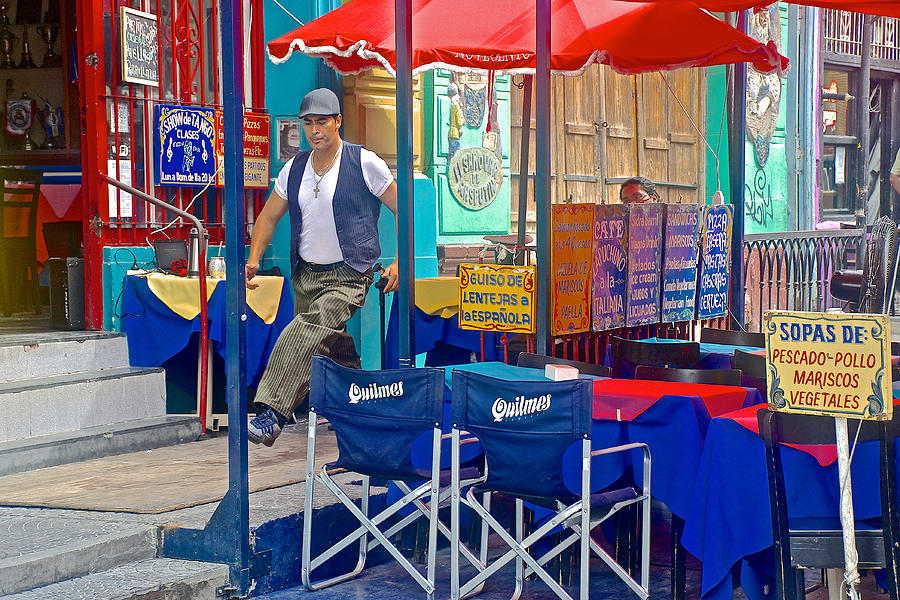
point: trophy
(48, 34)
(7, 41)
(27, 62)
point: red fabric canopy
(887, 8)
(499, 35)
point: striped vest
(355, 209)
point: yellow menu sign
(496, 298)
(829, 364)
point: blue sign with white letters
(185, 142)
(715, 272)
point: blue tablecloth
(729, 517)
(156, 334)
(430, 329)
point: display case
(38, 84)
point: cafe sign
(256, 149)
(475, 176)
(497, 298)
(829, 364)
(139, 44)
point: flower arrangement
(179, 267)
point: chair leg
(678, 560)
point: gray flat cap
(321, 101)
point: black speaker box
(66, 277)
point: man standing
(333, 194)
(637, 190)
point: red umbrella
(887, 8)
(499, 35)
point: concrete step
(96, 442)
(32, 355)
(37, 551)
(60, 403)
(159, 579)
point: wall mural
(763, 89)
(758, 200)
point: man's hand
(393, 279)
(250, 270)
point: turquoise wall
(457, 224)
(767, 207)
(716, 133)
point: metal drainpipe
(737, 154)
(863, 183)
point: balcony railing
(842, 34)
(791, 271)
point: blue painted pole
(542, 173)
(405, 231)
(737, 155)
(236, 307)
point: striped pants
(323, 303)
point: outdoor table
(436, 321)
(729, 517)
(161, 314)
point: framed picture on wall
(288, 132)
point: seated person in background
(637, 190)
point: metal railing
(842, 34)
(791, 271)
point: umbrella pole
(523, 163)
(737, 157)
(405, 229)
(542, 173)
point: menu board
(571, 236)
(679, 289)
(715, 272)
(185, 142)
(644, 263)
(139, 41)
(609, 262)
(256, 150)
(496, 298)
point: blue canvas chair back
(377, 415)
(525, 428)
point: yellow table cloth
(182, 294)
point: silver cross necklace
(319, 175)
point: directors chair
(378, 418)
(537, 441)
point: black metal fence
(791, 271)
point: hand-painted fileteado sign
(609, 264)
(496, 298)
(829, 364)
(186, 139)
(475, 177)
(572, 233)
(644, 262)
(715, 264)
(680, 262)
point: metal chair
(709, 376)
(378, 417)
(661, 354)
(539, 361)
(732, 338)
(799, 548)
(19, 193)
(533, 433)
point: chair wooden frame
(707, 376)
(18, 254)
(662, 354)
(539, 361)
(799, 549)
(732, 337)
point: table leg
(679, 566)
(209, 385)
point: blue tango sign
(185, 139)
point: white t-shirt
(318, 234)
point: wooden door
(607, 127)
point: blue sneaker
(265, 427)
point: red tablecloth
(625, 399)
(55, 203)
